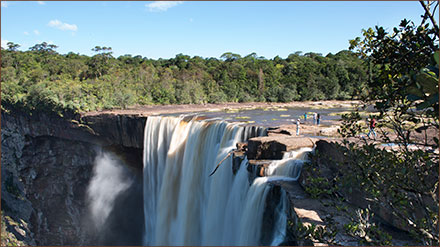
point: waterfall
(183, 205)
(290, 166)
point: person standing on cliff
(372, 126)
(305, 117)
(314, 118)
(297, 127)
(318, 119)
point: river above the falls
(272, 116)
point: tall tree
(99, 64)
(12, 46)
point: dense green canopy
(42, 79)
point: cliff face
(16, 208)
(46, 166)
(112, 129)
(105, 129)
(56, 184)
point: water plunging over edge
(183, 205)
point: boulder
(329, 151)
(274, 147)
(281, 131)
(329, 131)
(328, 164)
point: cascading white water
(183, 205)
(287, 169)
(290, 166)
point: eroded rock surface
(274, 147)
(16, 208)
(124, 130)
(48, 177)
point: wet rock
(256, 168)
(293, 188)
(241, 146)
(237, 159)
(270, 215)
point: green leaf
(436, 57)
(413, 97)
(434, 98)
(433, 70)
(428, 81)
(428, 103)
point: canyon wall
(46, 166)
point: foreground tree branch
(431, 17)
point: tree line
(42, 79)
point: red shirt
(373, 123)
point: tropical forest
(307, 149)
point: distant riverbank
(148, 110)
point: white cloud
(5, 42)
(50, 42)
(36, 32)
(26, 33)
(41, 2)
(4, 5)
(160, 6)
(62, 26)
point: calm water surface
(271, 117)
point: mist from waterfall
(108, 181)
(183, 205)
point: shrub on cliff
(397, 175)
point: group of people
(316, 120)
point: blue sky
(207, 29)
